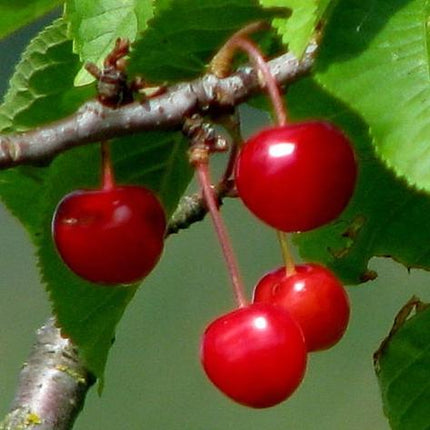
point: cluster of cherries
(293, 177)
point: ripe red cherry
(114, 235)
(297, 177)
(255, 355)
(314, 297)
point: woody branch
(95, 122)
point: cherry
(255, 355)
(113, 235)
(314, 297)
(296, 177)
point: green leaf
(385, 217)
(403, 368)
(298, 30)
(17, 14)
(89, 313)
(43, 79)
(96, 24)
(184, 35)
(375, 59)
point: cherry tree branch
(94, 122)
(52, 385)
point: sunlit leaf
(96, 24)
(296, 30)
(375, 58)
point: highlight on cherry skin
(113, 235)
(296, 177)
(314, 297)
(256, 355)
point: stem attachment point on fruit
(290, 267)
(108, 179)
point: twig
(94, 122)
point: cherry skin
(314, 297)
(114, 235)
(255, 355)
(296, 177)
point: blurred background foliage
(153, 377)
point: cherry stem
(221, 62)
(290, 267)
(108, 179)
(203, 174)
(269, 82)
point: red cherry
(110, 236)
(314, 297)
(297, 177)
(255, 355)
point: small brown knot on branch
(113, 88)
(204, 139)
